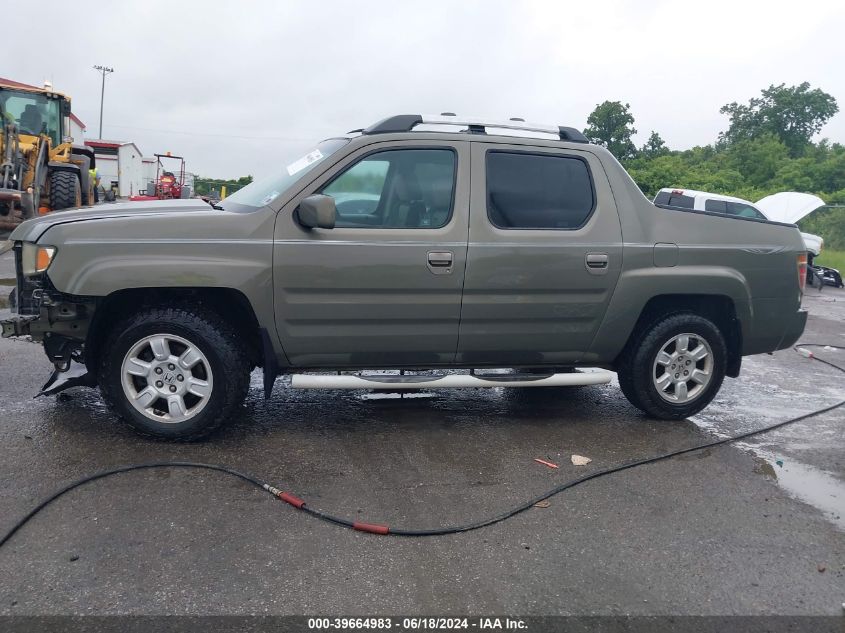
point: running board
(449, 381)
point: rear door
(382, 288)
(545, 252)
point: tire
(65, 192)
(648, 367)
(86, 186)
(140, 382)
(28, 209)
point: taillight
(802, 271)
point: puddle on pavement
(803, 482)
(758, 401)
(810, 485)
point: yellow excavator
(41, 170)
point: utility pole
(103, 70)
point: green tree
(611, 124)
(758, 159)
(793, 114)
(654, 146)
(204, 186)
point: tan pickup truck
(440, 246)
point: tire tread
(63, 189)
(212, 327)
(635, 366)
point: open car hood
(789, 206)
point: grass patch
(831, 259)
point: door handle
(440, 258)
(597, 260)
(440, 262)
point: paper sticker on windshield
(269, 198)
(302, 163)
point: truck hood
(31, 230)
(789, 206)
(813, 243)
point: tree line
(205, 186)
(768, 147)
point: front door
(382, 288)
(545, 252)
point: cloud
(237, 87)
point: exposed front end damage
(59, 321)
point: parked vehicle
(470, 247)
(167, 184)
(40, 168)
(787, 207)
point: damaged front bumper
(73, 376)
(59, 321)
(61, 350)
(17, 325)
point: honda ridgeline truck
(419, 243)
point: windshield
(263, 192)
(34, 113)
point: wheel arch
(54, 165)
(228, 303)
(720, 309)
(84, 150)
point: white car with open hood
(788, 207)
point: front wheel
(174, 373)
(65, 190)
(675, 368)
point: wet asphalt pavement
(724, 531)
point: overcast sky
(238, 87)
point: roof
(787, 206)
(106, 144)
(474, 125)
(712, 196)
(17, 84)
(11, 83)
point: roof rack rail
(407, 122)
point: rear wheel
(65, 192)
(674, 368)
(174, 373)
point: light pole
(103, 70)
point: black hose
(115, 471)
(433, 531)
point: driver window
(402, 189)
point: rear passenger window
(744, 210)
(684, 202)
(674, 199)
(715, 206)
(538, 191)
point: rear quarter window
(715, 206)
(665, 198)
(538, 191)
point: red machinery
(167, 184)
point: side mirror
(317, 212)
